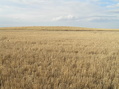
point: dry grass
(33, 59)
(56, 28)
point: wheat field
(36, 58)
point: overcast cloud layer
(81, 13)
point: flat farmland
(59, 59)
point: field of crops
(37, 59)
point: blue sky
(80, 13)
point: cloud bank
(82, 13)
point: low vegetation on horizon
(56, 28)
(33, 59)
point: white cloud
(115, 11)
(64, 18)
(113, 6)
(103, 18)
(32, 2)
(67, 12)
(28, 1)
